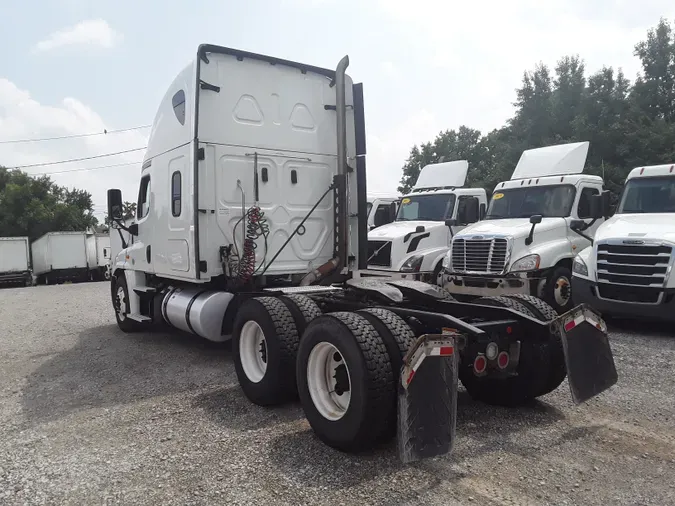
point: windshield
(426, 207)
(648, 195)
(548, 201)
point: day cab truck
(628, 271)
(414, 244)
(250, 226)
(526, 244)
(98, 256)
(15, 266)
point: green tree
(33, 206)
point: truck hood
(639, 226)
(513, 227)
(399, 229)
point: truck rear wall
(59, 250)
(14, 254)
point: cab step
(139, 318)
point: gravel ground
(89, 415)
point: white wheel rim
(329, 381)
(253, 351)
(121, 306)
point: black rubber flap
(427, 399)
(588, 355)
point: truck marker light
(671, 168)
(480, 364)
(503, 360)
(642, 170)
(509, 330)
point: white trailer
(98, 256)
(251, 225)
(15, 261)
(628, 270)
(60, 256)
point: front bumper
(485, 286)
(586, 291)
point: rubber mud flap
(427, 399)
(588, 356)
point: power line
(85, 169)
(105, 132)
(78, 159)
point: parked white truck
(414, 244)
(381, 210)
(98, 256)
(525, 245)
(60, 257)
(15, 265)
(250, 225)
(628, 271)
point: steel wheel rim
(561, 293)
(253, 351)
(121, 306)
(326, 375)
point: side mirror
(393, 210)
(577, 224)
(115, 204)
(601, 205)
(536, 219)
(468, 212)
(450, 223)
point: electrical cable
(85, 169)
(77, 159)
(75, 136)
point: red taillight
(509, 330)
(503, 360)
(480, 364)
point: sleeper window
(176, 193)
(178, 102)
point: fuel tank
(197, 311)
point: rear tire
(120, 300)
(264, 346)
(342, 353)
(303, 309)
(544, 312)
(532, 371)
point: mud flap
(427, 398)
(588, 356)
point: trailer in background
(98, 256)
(15, 261)
(60, 257)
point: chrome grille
(379, 253)
(479, 255)
(633, 273)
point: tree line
(627, 124)
(32, 206)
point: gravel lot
(89, 415)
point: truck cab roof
(572, 179)
(667, 169)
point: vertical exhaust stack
(341, 222)
(341, 200)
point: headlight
(579, 266)
(528, 263)
(447, 260)
(413, 264)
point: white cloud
(93, 32)
(388, 149)
(22, 117)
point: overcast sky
(77, 66)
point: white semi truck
(98, 256)
(250, 226)
(15, 265)
(628, 271)
(414, 245)
(60, 257)
(525, 245)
